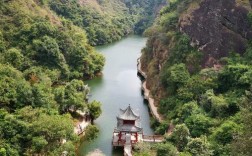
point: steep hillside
(198, 64)
(106, 21)
(44, 39)
(144, 12)
(43, 60)
(224, 28)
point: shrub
(166, 149)
(199, 147)
(91, 132)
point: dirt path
(80, 126)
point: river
(117, 88)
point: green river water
(117, 88)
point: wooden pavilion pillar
(136, 137)
(119, 135)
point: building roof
(128, 114)
(128, 128)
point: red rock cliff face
(218, 27)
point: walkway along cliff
(147, 94)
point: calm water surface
(117, 88)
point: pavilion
(128, 128)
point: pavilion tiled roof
(128, 114)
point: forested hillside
(106, 21)
(198, 64)
(46, 54)
(144, 12)
(43, 59)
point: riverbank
(147, 94)
(118, 87)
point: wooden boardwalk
(147, 95)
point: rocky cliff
(217, 27)
(214, 27)
(198, 65)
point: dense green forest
(209, 107)
(46, 54)
(106, 21)
(43, 60)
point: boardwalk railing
(153, 138)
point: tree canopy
(44, 60)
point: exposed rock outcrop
(217, 27)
